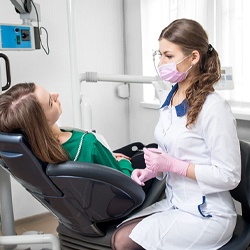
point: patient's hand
(120, 156)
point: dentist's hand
(158, 161)
(140, 176)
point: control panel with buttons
(16, 37)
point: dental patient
(28, 108)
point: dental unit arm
(22, 7)
(28, 10)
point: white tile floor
(46, 223)
(33, 226)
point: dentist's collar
(182, 108)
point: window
(226, 22)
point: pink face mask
(168, 72)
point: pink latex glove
(142, 175)
(159, 161)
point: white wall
(142, 121)
(100, 48)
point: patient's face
(50, 104)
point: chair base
(70, 240)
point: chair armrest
(99, 173)
(94, 194)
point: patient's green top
(93, 151)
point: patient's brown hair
(20, 111)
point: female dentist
(198, 153)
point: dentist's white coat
(199, 214)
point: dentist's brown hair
(189, 35)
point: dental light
(23, 36)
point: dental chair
(241, 235)
(89, 200)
